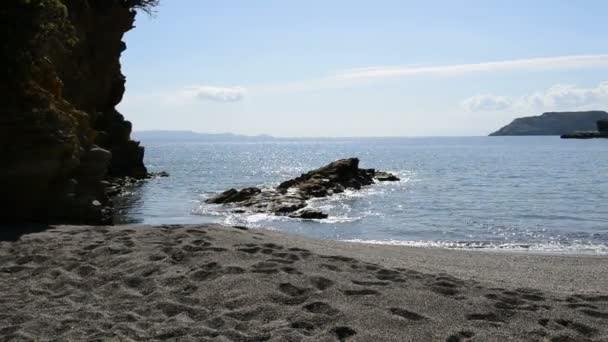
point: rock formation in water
(553, 123)
(60, 133)
(602, 132)
(289, 198)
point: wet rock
(290, 197)
(343, 173)
(309, 214)
(386, 177)
(233, 196)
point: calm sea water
(512, 193)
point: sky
(362, 68)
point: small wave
(540, 248)
(340, 219)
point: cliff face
(553, 123)
(60, 134)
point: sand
(215, 283)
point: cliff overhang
(61, 136)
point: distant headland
(554, 123)
(190, 136)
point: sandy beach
(216, 283)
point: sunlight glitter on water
(530, 193)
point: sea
(523, 194)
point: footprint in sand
(290, 270)
(321, 308)
(265, 267)
(292, 290)
(250, 250)
(460, 336)
(509, 300)
(331, 267)
(488, 317)
(303, 325)
(390, 275)
(295, 249)
(343, 333)
(362, 292)
(370, 283)
(595, 313)
(409, 315)
(578, 327)
(291, 294)
(321, 283)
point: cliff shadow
(13, 232)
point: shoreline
(220, 283)
(533, 248)
(439, 259)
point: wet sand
(215, 283)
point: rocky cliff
(553, 123)
(60, 134)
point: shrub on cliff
(145, 5)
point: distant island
(190, 136)
(553, 123)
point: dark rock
(290, 197)
(94, 164)
(585, 135)
(233, 196)
(554, 123)
(309, 214)
(343, 173)
(158, 174)
(602, 132)
(288, 208)
(224, 197)
(386, 177)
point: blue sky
(363, 68)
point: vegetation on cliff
(61, 82)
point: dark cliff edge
(61, 137)
(553, 123)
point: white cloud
(353, 77)
(545, 63)
(205, 93)
(557, 97)
(486, 102)
(219, 94)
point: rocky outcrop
(553, 123)
(602, 132)
(60, 134)
(290, 197)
